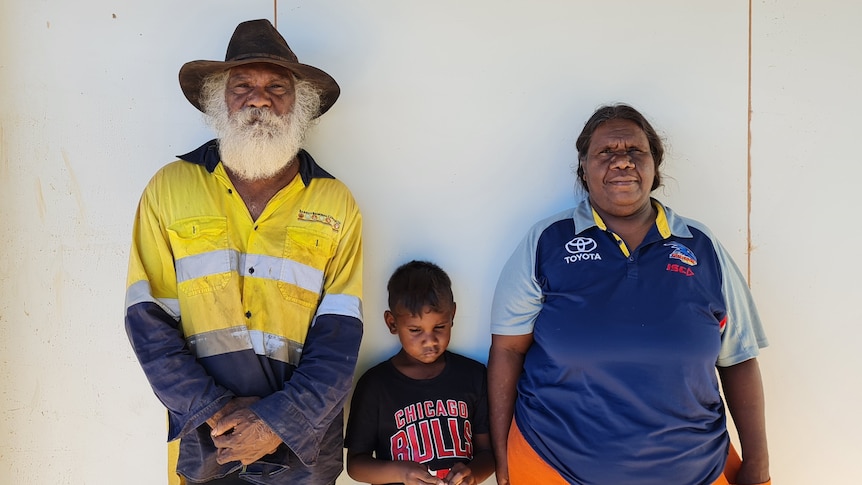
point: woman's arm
(505, 363)
(743, 391)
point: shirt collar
(208, 156)
(667, 222)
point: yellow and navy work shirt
(619, 385)
(220, 305)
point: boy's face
(423, 337)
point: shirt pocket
(306, 256)
(202, 255)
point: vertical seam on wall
(748, 155)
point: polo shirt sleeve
(743, 334)
(518, 297)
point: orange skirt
(527, 467)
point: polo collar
(667, 222)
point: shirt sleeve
(316, 393)
(518, 297)
(362, 423)
(481, 422)
(743, 334)
(152, 318)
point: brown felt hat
(257, 41)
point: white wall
(455, 131)
(806, 232)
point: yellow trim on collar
(660, 222)
(604, 227)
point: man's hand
(231, 406)
(242, 436)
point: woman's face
(619, 169)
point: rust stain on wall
(750, 244)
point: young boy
(421, 417)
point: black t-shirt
(430, 421)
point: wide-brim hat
(257, 41)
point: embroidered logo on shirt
(330, 221)
(581, 248)
(684, 254)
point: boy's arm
(480, 467)
(363, 467)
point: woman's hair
(619, 112)
(418, 284)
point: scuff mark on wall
(73, 182)
(40, 200)
(60, 277)
(4, 157)
(35, 399)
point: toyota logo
(581, 245)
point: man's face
(260, 116)
(260, 85)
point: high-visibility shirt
(221, 305)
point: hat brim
(194, 73)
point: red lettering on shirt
(678, 268)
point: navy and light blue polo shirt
(619, 385)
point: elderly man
(245, 277)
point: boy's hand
(460, 474)
(417, 474)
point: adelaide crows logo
(682, 253)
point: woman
(608, 324)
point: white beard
(254, 143)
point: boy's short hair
(418, 284)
